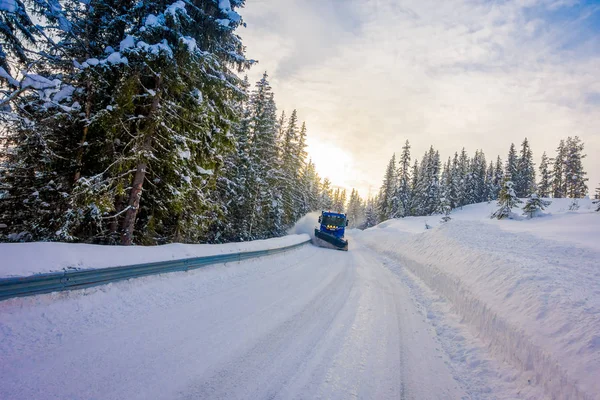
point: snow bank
(23, 259)
(528, 288)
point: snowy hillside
(527, 288)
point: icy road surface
(311, 323)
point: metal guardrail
(79, 279)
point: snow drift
(527, 288)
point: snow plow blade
(323, 239)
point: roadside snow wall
(23, 259)
(535, 302)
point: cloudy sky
(366, 75)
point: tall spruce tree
(545, 183)
(151, 95)
(455, 183)
(498, 177)
(463, 174)
(525, 180)
(290, 169)
(403, 192)
(413, 187)
(264, 211)
(427, 192)
(511, 171)
(490, 188)
(370, 213)
(309, 195)
(388, 191)
(326, 195)
(558, 173)
(356, 210)
(574, 174)
(476, 190)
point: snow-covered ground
(471, 309)
(527, 289)
(310, 323)
(23, 259)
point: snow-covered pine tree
(445, 209)
(455, 183)
(498, 178)
(574, 174)
(40, 114)
(387, 191)
(29, 30)
(420, 189)
(545, 183)
(574, 206)
(413, 188)
(463, 174)
(171, 112)
(558, 173)
(446, 179)
(281, 124)
(326, 195)
(534, 205)
(263, 192)
(339, 200)
(335, 199)
(490, 188)
(525, 183)
(309, 195)
(511, 171)
(228, 219)
(445, 206)
(428, 185)
(290, 169)
(476, 192)
(299, 160)
(506, 201)
(356, 210)
(342, 201)
(403, 193)
(370, 213)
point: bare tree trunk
(134, 202)
(135, 194)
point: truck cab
(333, 223)
(332, 228)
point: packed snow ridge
(528, 288)
(24, 259)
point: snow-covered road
(312, 323)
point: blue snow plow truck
(330, 234)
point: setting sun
(331, 162)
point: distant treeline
(429, 186)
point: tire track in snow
(297, 334)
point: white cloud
(367, 75)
